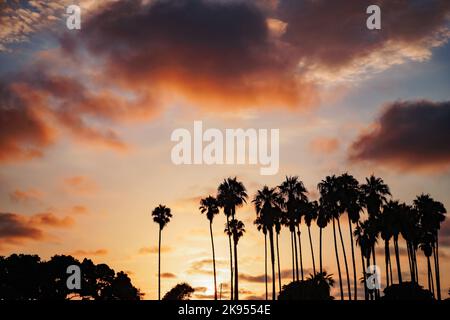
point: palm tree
(278, 222)
(161, 215)
(374, 195)
(427, 244)
(365, 240)
(231, 194)
(236, 228)
(328, 201)
(311, 214)
(266, 203)
(386, 232)
(323, 218)
(261, 227)
(350, 202)
(293, 193)
(411, 231)
(432, 214)
(209, 205)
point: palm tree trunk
(265, 265)
(214, 260)
(320, 249)
(410, 261)
(345, 260)
(236, 273)
(366, 293)
(390, 268)
(377, 291)
(292, 254)
(296, 256)
(429, 274)
(312, 250)
(231, 259)
(272, 261)
(397, 258)
(355, 280)
(436, 266)
(367, 269)
(337, 260)
(279, 268)
(159, 265)
(386, 260)
(300, 250)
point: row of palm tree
(288, 204)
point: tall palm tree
(427, 244)
(278, 222)
(350, 202)
(386, 232)
(432, 214)
(374, 195)
(266, 203)
(323, 218)
(311, 214)
(236, 228)
(261, 227)
(411, 231)
(161, 215)
(328, 201)
(231, 194)
(293, 193)
(364, 242)
(209, 205)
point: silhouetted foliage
(314, 288)
(406, 291)
(181, 291)
(26, 277)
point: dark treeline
(27, 277)
(374, 218)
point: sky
(86, 118)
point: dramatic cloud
(332, 42)
(204, 266)
(17, 228)
(132, 58)
(408, 135)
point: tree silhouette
(432, 214)
(181, 291)
(266, 203)
(316, 287)
(27, 277)
(311, 213)
(293, 193)
(161, 215)
(231, 194)
(209, 205)
(236, 228)
(262, 228)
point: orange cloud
(25, 195)
(80, 185)
(154, 250)
(88, 253)
(324, 145)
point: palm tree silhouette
(161, 215)
(209, 205)
(374, 195)
(261, 227)
(323, 218)
(432, 214)
(236, 229)
(350, 202)
(231, 194)
(266, 203)
(328, 200)
(386, 232)
(310, 215)
(293, 193)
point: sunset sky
(86, 118)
